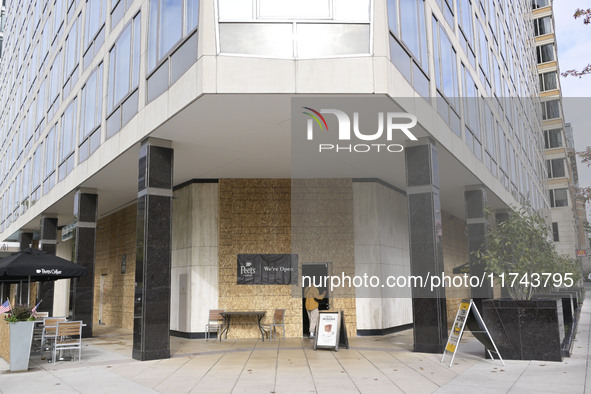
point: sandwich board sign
(468, 315)
(331, 331)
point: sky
(574, 52)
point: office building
(155, 142)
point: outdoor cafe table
(228, 316)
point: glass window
(447, 7)
(543, 26)
(412, 29)
(170, 21)
(121, 65)
(192, 15)
(41, 102)
(92, 103)
(124, 64)
(540, 3)
(489, 129)
(44, 48)
(465, 20)
(67, 137)
(316, 39)
(545, 53)
(58, 12)
(548, 81)
(502, 149)
(553, 138)
(446, 75)
(50, 153)
(558, 198)
(551, 109)
(26, 185)
(95, 19)
(54, 81)
(71, 51)
(471, 107)
(118, 9)
(393, 17)
(411, 58)
(36, 176)
(555, 168)
(483, 50)
(264, 39)
(555, 234)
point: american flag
(5, 307)
(35, 309)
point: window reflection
(283, 34)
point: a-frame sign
(468, 313)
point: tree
(586, 16)
(585, 192)
(519, 248)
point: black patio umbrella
(37, 266)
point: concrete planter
(21, 338)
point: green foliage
(20, 313)
(521, 245)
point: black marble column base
(147, 355)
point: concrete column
(48, 243)
(477, 224)
(25, 239)
(426, 252)
(151, 325)
(85, 216)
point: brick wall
(116, 237)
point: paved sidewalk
(371, 365)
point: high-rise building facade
(558, 139)
(165, 138)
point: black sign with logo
(267, 269)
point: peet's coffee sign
(266, 269)
(52, 271)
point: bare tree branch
(586, 15)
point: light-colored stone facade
(382, 250)
(194, 284)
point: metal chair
(68, 337)
(215, 323)
(278, 321)
(38, 330)
(48, 332)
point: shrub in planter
(522, 258)
(20, 313)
